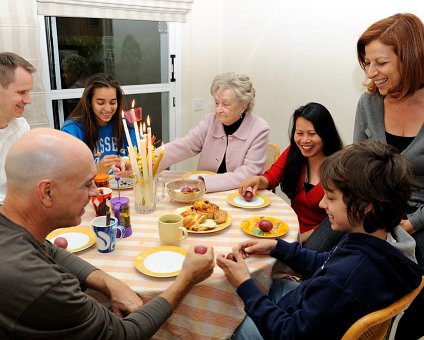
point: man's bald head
(44, 153)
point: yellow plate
(217, 228)
(162, 261)
(195, 174)
(79, 238)
(250, 226)
(259, 201)
(124, 183)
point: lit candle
(155, 169)
(149, 147)
(131, 153)
(137, 133)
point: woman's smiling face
(104, 104)
(381, 66)
(307, 139)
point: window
(139, 54)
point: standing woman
(97, 121)
(313, 137)
(391, 52)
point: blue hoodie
(360, 275)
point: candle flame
(144, 127)
(148, 120)
(123, 115)
(133, 103)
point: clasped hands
(236, 271)
(121, 166)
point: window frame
(172, 88)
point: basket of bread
(204, 216)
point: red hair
(404, 33)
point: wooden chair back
(272, 154)
(376, 324)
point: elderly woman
(232, 141)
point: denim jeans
(247, 329)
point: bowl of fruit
(186, 190)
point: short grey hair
(240, 84)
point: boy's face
(336, 210)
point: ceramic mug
(107, 235)
(101, 202)
(171, 230)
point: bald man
(15, 86)
(49, 182)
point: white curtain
(20, 33)
(155, 10)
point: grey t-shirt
(42, 295)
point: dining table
(212, 308)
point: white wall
(294, 51)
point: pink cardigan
(246, 151)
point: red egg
(186, 189)
(61, 242)
(195, 190)
(265, 225)
(230, 256)
(248, 196)
(200, 249)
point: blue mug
(107, 235)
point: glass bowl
(178, 190)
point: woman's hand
(254, 183)
(123, 168)
(106, 163)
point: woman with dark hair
(313, 137)
(97, 121)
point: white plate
(79, 238)
(124, 183)
(258, 201)
(196, 174)
(162, 261)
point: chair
(376, 324)
(272, 154)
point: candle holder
(146, 194)
(142, 156)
